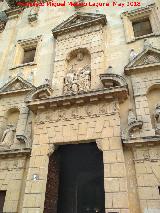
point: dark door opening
(2, 200)
(81, 179)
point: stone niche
(8, 136)
(153, 97)
(78, 77)
(16, 129)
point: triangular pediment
(16, 84)
(77, 21)
(147, 58)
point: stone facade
(91, 79)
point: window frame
(129, 17)
(140, 21)
(21, 46)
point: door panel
(81, 187)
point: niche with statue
(16, 129)
(8, 136)
(78, 76)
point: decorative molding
(78, 113)
(13, 12)
(79, 21)
(143, 141)
(110, 80)
(42, 92)
(118, 93)
(15, 152)
(140, 10)
(29, 43)
(148, 58)
(16, 85)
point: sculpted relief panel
(78, 77)
(79, 112)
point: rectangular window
(2, 200)
(142, 27)
(29, 55)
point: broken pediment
(41, 92)
(78, 21)
(149, 57)
(16, 84)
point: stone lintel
(119, 93)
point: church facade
(80, 108)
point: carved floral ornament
(77, 113)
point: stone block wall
(12, 180)
(80, 127)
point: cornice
(141, 141)
(15, 152)
(140, 10)
(13, 12)
(120, 93)
(140, 69)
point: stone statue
(70, 82)
(147, 44)
(157, 119)
(132, 55)
(85, 79)
(30, 77)
(8, 136)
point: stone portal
(81, 187)
(79, 168)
